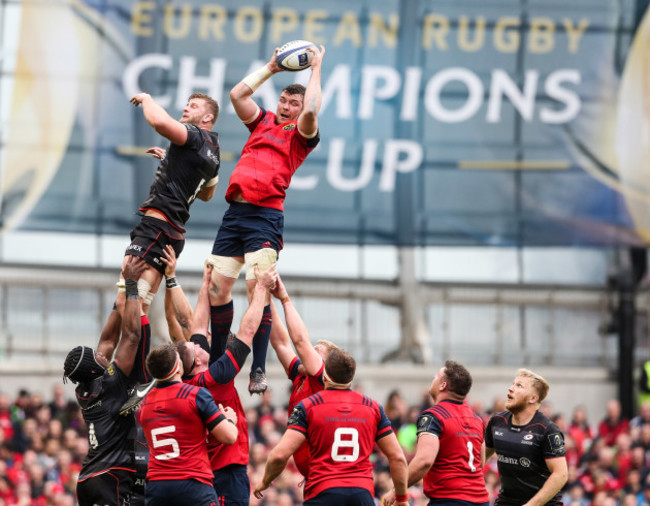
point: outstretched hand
(134, 267)
(269, 278)
(280, 291)
(259, 489)
(169, 259)
(273, 64)
(156, 152)
(136, 100)
(317, 56)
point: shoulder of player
(543, 423)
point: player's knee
(263, 258)
(226, 266)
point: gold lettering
(377, 27)
(284, 20)
(435, 27)
(140, 17)
(505, 39)
(575, 33)
(184, 27)
(463, 34)
(252, 16)
(541, 38)
(313, 26)
(348, 29)
(211, 21)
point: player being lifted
(252, 227)
(188, 170)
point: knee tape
(143, 288)
(148, 298)
(263, 258)
(226, 266)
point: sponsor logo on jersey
(498, 433)
(111, 370)
(213, 156)
(507, 460)
(290, 126)
(524, 462)
(134, 247)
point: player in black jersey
(530, 448)
(107, 472)
(188, 170)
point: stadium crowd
(43, 443)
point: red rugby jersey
(457, 472)
(341, 427)
(303, 386)
(268, 161)
(220, 382)
(174, 418)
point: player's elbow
(228, 432)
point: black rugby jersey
(111, 436)
(522, 451)
(182, 174)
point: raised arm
(308, 119)
(298, 331)
(253, 315)
(240, 95)
(278, 458)
(280, 340)
(110, 335)
(178, 310)
(125, 354)
(160, 120)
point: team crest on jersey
(528, 437)
(290, 126)
(111, 370)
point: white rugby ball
(293, 56)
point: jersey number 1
(470, 458)
(157, 443)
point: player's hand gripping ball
(293, 56)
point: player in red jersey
(450, 450)
(341, 427)
(174, 417)
(305, 370)
(252, 227)
(216, 371)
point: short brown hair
(540, 385)
(185, 351)
(340, 366)
(161, 360)
(459, 380)
(211, 102)
(295, 89)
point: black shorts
(232, 485)
(149, 238)
(342, 496)
(111, 488)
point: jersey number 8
(349, 442)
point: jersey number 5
(351, 441)
(157, 443)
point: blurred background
(481, 192)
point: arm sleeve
(383, 426)
(554, 443)
(488, 434)
(239, 350)
(293, 368)
(210, 413)
(194, 137)
(298, 419)
(429, 422)
(253, 124)
(225, 369)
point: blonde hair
(540, 385)
(328, 345)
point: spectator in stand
(580, 430)
(613, 423)
(396, 409)
(623, 458)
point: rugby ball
(293, 56)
